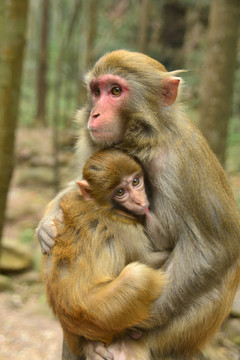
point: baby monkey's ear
(85, 189)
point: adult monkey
(133, 105)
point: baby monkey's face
(131, 194)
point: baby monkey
(100, 278)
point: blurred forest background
(45, 48)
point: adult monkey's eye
(116, 90)
(96, 90)
(136, 182)
(120, 193)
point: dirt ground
(25, 335)
(28, 330)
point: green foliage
(236, 92)
(116, 33)
(193, 2)
(234, 131)
(233, 145)
(37, 261)
(27, 236)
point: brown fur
(191, 199)
(193, 203)
(94, 292)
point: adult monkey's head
(128, 90)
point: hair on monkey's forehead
(108, 167)
(127, 60)
(122, 61)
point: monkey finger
(103, 352)
(59, 216)
(47, 227)
(98, 351)
(95, 357)
(46, 241)
(45, 247)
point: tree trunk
(144, 16)
(92, 15)
(64, 47)
(218, 74)
(172, 33)
(42, 70)
(12, 43)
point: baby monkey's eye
(120, 193)
(116, 90)
(135, 181)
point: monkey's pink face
(109, 93)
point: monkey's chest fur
(89, 234)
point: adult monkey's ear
(169, 90)
(85, 189)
